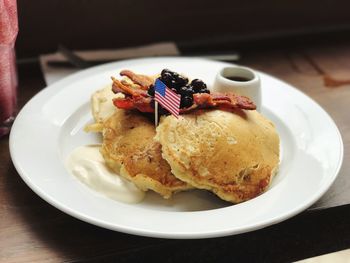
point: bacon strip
(117, 86)
(138, 98)
(143, 80)
(230, 100)
(200, 101)
(140, 103)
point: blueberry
(164, 71)
(172, 79)
(166, 78)
(174, 85)
(186, 101)
(198, 84)
(169, 82)
(190, 89)
(181, 81)
(186, 91)
(151, 90)
(203, 91)
(183, 90)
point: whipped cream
(88, 166)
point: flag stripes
(167, 98)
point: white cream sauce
(88, 166)
(102, 103)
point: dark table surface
(31, 230)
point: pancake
(101, 107)
(128, 146)
(102, 103)
(234, 155)
(130, 150)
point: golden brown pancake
(130, 150)
(234, 155)
(128, 146)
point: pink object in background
(8, 75)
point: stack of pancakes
(233, 154)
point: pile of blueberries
(180, 85)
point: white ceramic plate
(50, 126)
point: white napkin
(52, 74)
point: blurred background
(195, 25)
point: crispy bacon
(117, 86)
(140, 103)
(138, 98)
(226, 100)
(134, 98)
(142, 80)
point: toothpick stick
(156, 113)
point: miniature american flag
(167, 98)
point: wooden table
(31, 230)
